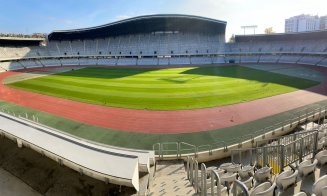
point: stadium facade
(164, 40)
(150, 40)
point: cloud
(121, 17)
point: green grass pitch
(165, 89)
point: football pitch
(165, 89)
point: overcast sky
(29, 16)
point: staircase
(170, 179)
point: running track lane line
(145, 121)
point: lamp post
(249, 27)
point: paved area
(24, 170)
(10, 185)
(170, 179)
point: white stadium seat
(306, 167)
(264, 189)
(286, 179)
(321, 157)
(319, 188)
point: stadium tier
(168, 40)
(297, 48)
(172, 41)
(136, 41)
(165, 44)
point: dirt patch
(36, 74)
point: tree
(232, 39)
(269, 30)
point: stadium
(132, 94)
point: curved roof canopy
(145, 24)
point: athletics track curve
(182, 121)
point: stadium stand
(163, 61)
(87, 61)
(71, 61)
(137, 41)
(171, 39)
(302, 48)
(248, 174)
(107, 61)
(182, 47)
(50, 62)
(53, 49)
(128, 61)
(180, 61)
(269, 58)
(289, 59)
(201, 60)
(250, 59)
(323, 62)
(310, 60)
(5, 65)
(219, 60)
(147, 61)
(30, 63)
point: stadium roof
(145, 24)
(282, 36)
(17, 41)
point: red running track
(182, 121)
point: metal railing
(215, 183)
(179, 149)
(278, 156)
(209, 182)
(185, 148)
(168, 148)
(284, 140)
(175, 148)
(202, 184)
(239, 189)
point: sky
(44, 16)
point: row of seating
(313, 60)
(292, 59)
(318, 45)
(259, 181)
(21, 64)
(137, 45)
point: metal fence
(279, 156)
(180, 149)
(205, 182)
(240, 189)
(284, 140)
(192, 170)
